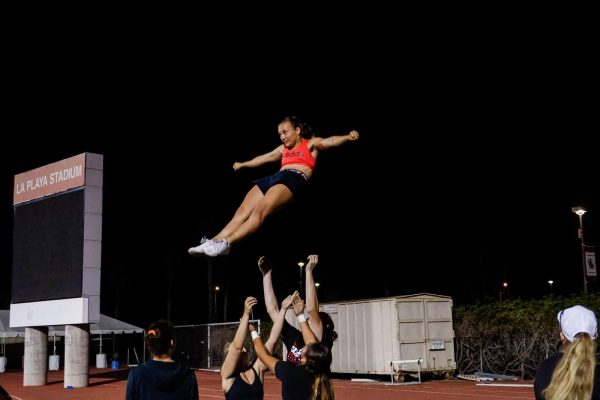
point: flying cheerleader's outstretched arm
(333, 141)
(272, 156)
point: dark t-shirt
(543, 377)
(296, 381)
(159, 380)
(240, 390)
(292, 338)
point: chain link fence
(202, 346)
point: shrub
(511, 337)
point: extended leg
(276, 196)
(243, 212)
(252, 199)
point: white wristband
(255, 335)
(301, 318)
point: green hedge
(511, 337)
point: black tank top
(240, 390)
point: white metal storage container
(374, 332)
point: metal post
(301, 277)
(209, 352)
(210, 289)
(216, 311)
(582, 252)
(580, 211)
(301, 290)
(481, 356)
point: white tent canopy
(106, 326)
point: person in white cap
(571, 373)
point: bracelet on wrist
(301, 318)
(255, 335)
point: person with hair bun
(161, 377)
(571, 374)
(298, 155)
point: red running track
(110, 384)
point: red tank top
(301, 155)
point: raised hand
(353, 135)
(313, 259)
(287, 302)
(248, 304)
(298, 304)
(264, 265)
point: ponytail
(318, 364)
(573, 377)
(322, 388)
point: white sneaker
(200, 249)
(217, 248)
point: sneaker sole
(196, 253)
(224, 253)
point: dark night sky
(464, 175)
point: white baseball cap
(577, 319)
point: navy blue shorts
(292, 178)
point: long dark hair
(159, 336)
(318, 363)
(329, 334)
(305, 130)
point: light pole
(209, 300)
(504, 287)
(217, 288)
(301, 264)
(550, 283)
(580, 211)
